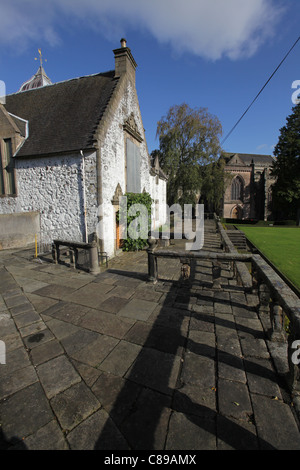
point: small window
(7, 171)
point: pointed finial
(40, 57)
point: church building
(70, 149)
(248, 181)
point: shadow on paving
(156, 407)
(6, 444)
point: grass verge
(281, 245)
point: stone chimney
(124, 61)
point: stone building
(70, 149)
(248, 193)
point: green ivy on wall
(130, 244)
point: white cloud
(25, 21)
(261, 147)
(209, 28)
(212, 28)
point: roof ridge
(56, 105)
(254, 154)
(63, 81)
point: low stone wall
(242, 274)
(19, 229)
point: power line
(260, 91)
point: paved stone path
(112, 362)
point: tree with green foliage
(188, 140)
(213, 182)
(286, 168)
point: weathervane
(41, 57)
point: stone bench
(73, 247)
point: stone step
(237, 238)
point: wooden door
(119, 242)
(236, 213)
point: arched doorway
(118, 228)
(236, 213)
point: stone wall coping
(279, 290)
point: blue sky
(208, 53)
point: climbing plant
(137, 215)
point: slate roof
(63, 116)
(247, 158)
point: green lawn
(281, 245)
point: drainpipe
(99, 197)
(83, 190)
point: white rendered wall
(54, 187)
(113, 157)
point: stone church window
(7, 174)
(237, 189)
(133, 167)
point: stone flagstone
(114, 363)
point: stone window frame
(4, 178)
(131, 132)
(237, 188)
(128, 162)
